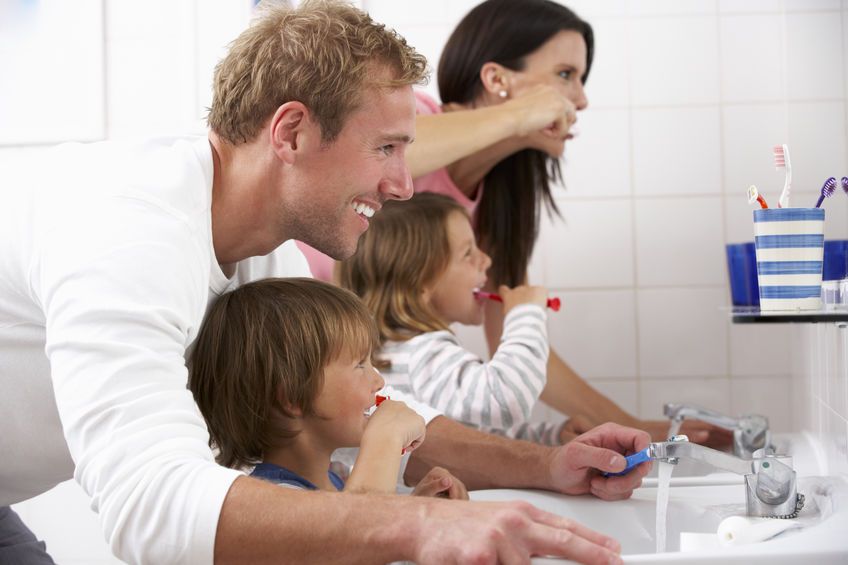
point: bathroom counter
(753, 315)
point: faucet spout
(750, 432)
(770, 481)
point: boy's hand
(523, 295)
(440, 483)
(395, 421)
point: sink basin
(699, 510)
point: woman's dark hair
(505, 32)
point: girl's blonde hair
(405, 249)
(322, 53)
(261, 353)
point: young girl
(417, 269)
(281, 371)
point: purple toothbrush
(845, 184)
(828, 188)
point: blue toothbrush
(632, 461)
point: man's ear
(290, 129)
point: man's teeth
(363, 209)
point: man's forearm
(265, 523)
(479, 459)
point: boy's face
(350, 385)
(452, 295)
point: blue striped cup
(790, 249)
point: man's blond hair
(323, 54)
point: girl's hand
(395, 421)
(439, 482)
(523, 295)
(573, 427)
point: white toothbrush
(781, 161)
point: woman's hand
(440, 483)
(394, 421)
(523, 294)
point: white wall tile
(761, 349)
(671, 7)
(624, 392)
(595, 332)
(813, 47)
(679, 241)
(739, 218)
(609, 80)
(751, 68)
(811, 5)
(590, 247)
(768, 396)
(676, 151)
(597, 160)
(589, 9)
(750, 131)
(707, 393)
(148, 88)
(817, 143)
(749, 6)
(457, 9)
(403, 14)
(682, 333)
(685, 48)
(150, 19)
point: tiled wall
(820, 391)
(686, 100)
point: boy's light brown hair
(261, 353)
(404, 250)
(323, 53)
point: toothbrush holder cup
(790, 251)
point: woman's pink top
(438, 181)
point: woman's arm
(443, 139)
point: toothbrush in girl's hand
(827, 190)
(781, 161)
(755, 196)
(553, 303)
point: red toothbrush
(553, 303)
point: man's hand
(493, 533)
(440, 483)
(576, 467)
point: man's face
(340, 185)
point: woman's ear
(495, 79)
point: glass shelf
(752, 315)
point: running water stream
(663, 485)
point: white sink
(700, 509)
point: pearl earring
(503, 94)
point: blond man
(110, 255)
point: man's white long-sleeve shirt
(106, 271)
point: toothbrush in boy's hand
(827, 190)
(755, 196)
(781, 161)
(553, 303)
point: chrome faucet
(750, 432)
(770, 482)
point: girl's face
(452, 294)
(350, 384)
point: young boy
(281, 371)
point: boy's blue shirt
(281, 475)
